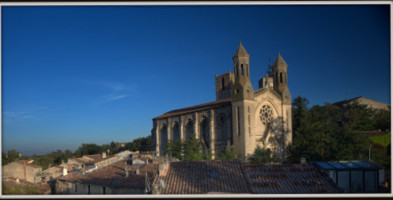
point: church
(241, 117)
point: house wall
(65, 187)
(16, 170)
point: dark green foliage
(228, 154)
(327, 133)
(88, 149)
(262, 156)
(140, 144)
(193, 150)
(174, 149)
(11, 156)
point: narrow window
(241, 68)
(280, 77)
(276, 78)
(76, 187)
(103, 190)
(88, 189)
(238, 121)
(223, 83)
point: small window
(280, 77)
(88, 189)
(222, 83)
(241, 68)
(103, 190)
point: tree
(88, 149)
(175, 149)
(262, 156)
(193, 150)
(228, 154)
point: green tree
(228, 154)
(88, 149)
(174, 149)
(193, 150)
(262, 156)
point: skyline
(96, 74)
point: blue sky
(96, 74)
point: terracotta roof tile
(287, 179)
(202, 177)
(114, 175)
(200, 107)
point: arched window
(280, 77)
(222, 83)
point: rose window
(266, 114)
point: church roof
(279, 60)
(241, 51)
(200, 107)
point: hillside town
(246, 142)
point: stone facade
(241, 117)
(23, 170)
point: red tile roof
(200, 107)
(287, 178)
(114, 175)
(202, 177)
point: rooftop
(202, 177)
(114, 175)
(200, 107)
(287, 179)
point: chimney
(137, 171)
(65, 172)
(104, 154)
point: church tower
(242, 87)
(280, 75)
(280, 79)
(242, 103)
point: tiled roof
(94, 157)
(113, 175)
(29, 164)
(200, 107)
(202, 177)
(287, 179)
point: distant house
(23, 170)
(54, 172)
(363, 101)
(287, 179)
(200, 177)
(117, 178)
(355, 176)
(92, 162)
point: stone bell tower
(280, 75)
(242, 102)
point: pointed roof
(241, 51)
(279, 60)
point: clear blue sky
(91, 74)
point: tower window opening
(223, 83)
(241, 68)
(280, 77)
(238, 121)
(276, 78)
